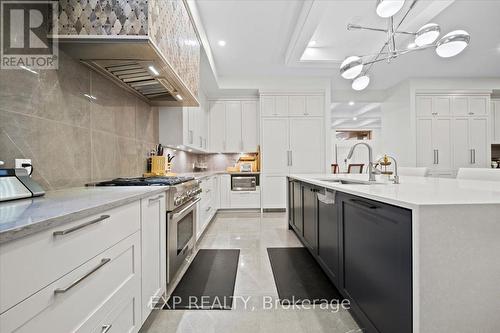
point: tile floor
(252, 234)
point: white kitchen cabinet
(470, 143)
(245, 199)
(460, 106)
(495, 121)
(154, 249)
(478, 105)
(297, 106)
(306, 145)
(217, 126)
(275, 146)
(184, 126)
(249, 126)
(434, 143)
(86, 298)
(233, 127)
(433, 106)
(315, 105)
(225, 191)
(274, 106)
(273, 191)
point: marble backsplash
(73, 139)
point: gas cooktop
(145, 181)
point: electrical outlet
(21, 161)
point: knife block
(158, 165)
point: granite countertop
(20, 218)
(413, 192)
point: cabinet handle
(471, 113)
(201, 142)
(473, 156)
(208, 208)
(77, 281)
(287, 158)
(155, 199)
(364, 203)
(190, 136)
(291, 158)
(106, 328)
(434, 113)
(81, 226)
(470, 157)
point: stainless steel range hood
(134, 63)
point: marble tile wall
(71, 139)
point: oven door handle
(175, 216)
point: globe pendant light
(427, 34)
(351, 67)
(361, 82)
(452, 44)
(387, 8)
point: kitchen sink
(352, 182)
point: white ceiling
(259, 33)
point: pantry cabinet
(293, 141)
(452, 132)
(233, 126)
(495, 121)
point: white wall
(397, 134)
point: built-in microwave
(244, 182)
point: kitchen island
(420, 256)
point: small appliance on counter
(17, 184)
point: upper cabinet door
(297, 106)
(233, 127)
(460, 105)
(217, 126)
(306, 145)
(315, 106)
(249, 127)
(461, 150)
(281, 103)
(267, 106)
(441, 106)
(275, 148)
(478, 106)
(424, 106)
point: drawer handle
(83, 225)
(155, 199)
(364, 204)
(106, 328)
(77, 281)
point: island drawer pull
(156, 198)
(364, 204)
(77, 281)
(83, 225)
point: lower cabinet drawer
(32, 263)
(105, 290)
(250, 199)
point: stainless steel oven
(244, 182)
(181, 235)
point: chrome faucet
(371, 168)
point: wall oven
(181, 235)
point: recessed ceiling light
(190, 150)
(351, 103)
(312, 43)
(354, 118)
(222, 43)
(179, 97)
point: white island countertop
(412, 192)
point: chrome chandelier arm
(351, 26)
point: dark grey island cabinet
(365, 248)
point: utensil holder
(158, 165)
